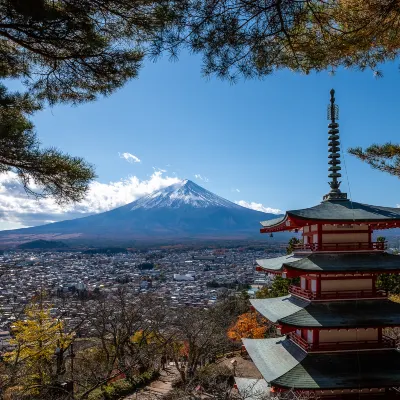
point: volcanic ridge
(182, 211)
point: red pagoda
(333, 320)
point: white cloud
(129, 157)
(17, 210)
(235, 190)
(258, 207)
(159, 169)
(201, 178)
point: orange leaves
(249, 325)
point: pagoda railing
(351, 246)
(385, 343)
(336, 294)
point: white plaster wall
(346, 284)
(346, 238)
(343, 335)
(302, 282)
(340, 228)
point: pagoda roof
(338, 211)
(282, 363)
(293, 311)
(333, 262)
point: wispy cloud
(17, 210)
(235, 190)
(159, 169)
(201, 178)
(130, 158)
(258, 207)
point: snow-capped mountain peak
(184, 193)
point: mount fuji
(182, 211)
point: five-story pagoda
(333, 321)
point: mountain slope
(180, 211)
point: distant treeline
(229, 285)
(146, 265)
(42, 244)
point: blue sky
(267, 139)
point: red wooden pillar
(369, 236)
(319, 228)
(374, 284)
(316, 337)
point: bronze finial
(334, 150)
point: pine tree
(385, 158)
(66, 51)
(255, 38)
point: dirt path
(158, 388)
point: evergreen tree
(52, 172)
(255, 38)
(291, 245)
(385, 158)
(67, 51)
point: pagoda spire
(334, 150)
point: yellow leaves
(141, 338)
(36, 340)
(248, 325)
(395, 298)
(39, 335)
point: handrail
(379, 246)
(386, 342)
(336, 294)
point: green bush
(123, 387)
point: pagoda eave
(288, 272)
(292, 312)
(285, 365)
(339, 263)
(290, 223)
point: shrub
(123, 387)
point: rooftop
(284, 364)
(339, 211)
(331, 263)
(293, 311)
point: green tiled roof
(284, 364)
(272, 222)
(274, 357)
(290, 310)
(279, 307)
(276, 262)
(339, 262)
(350, 370)
(351, 262)
(341, 211)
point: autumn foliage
(249, 325)
(37, 340)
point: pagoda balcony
(340, 247)
(385, 343)
(337, 295)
